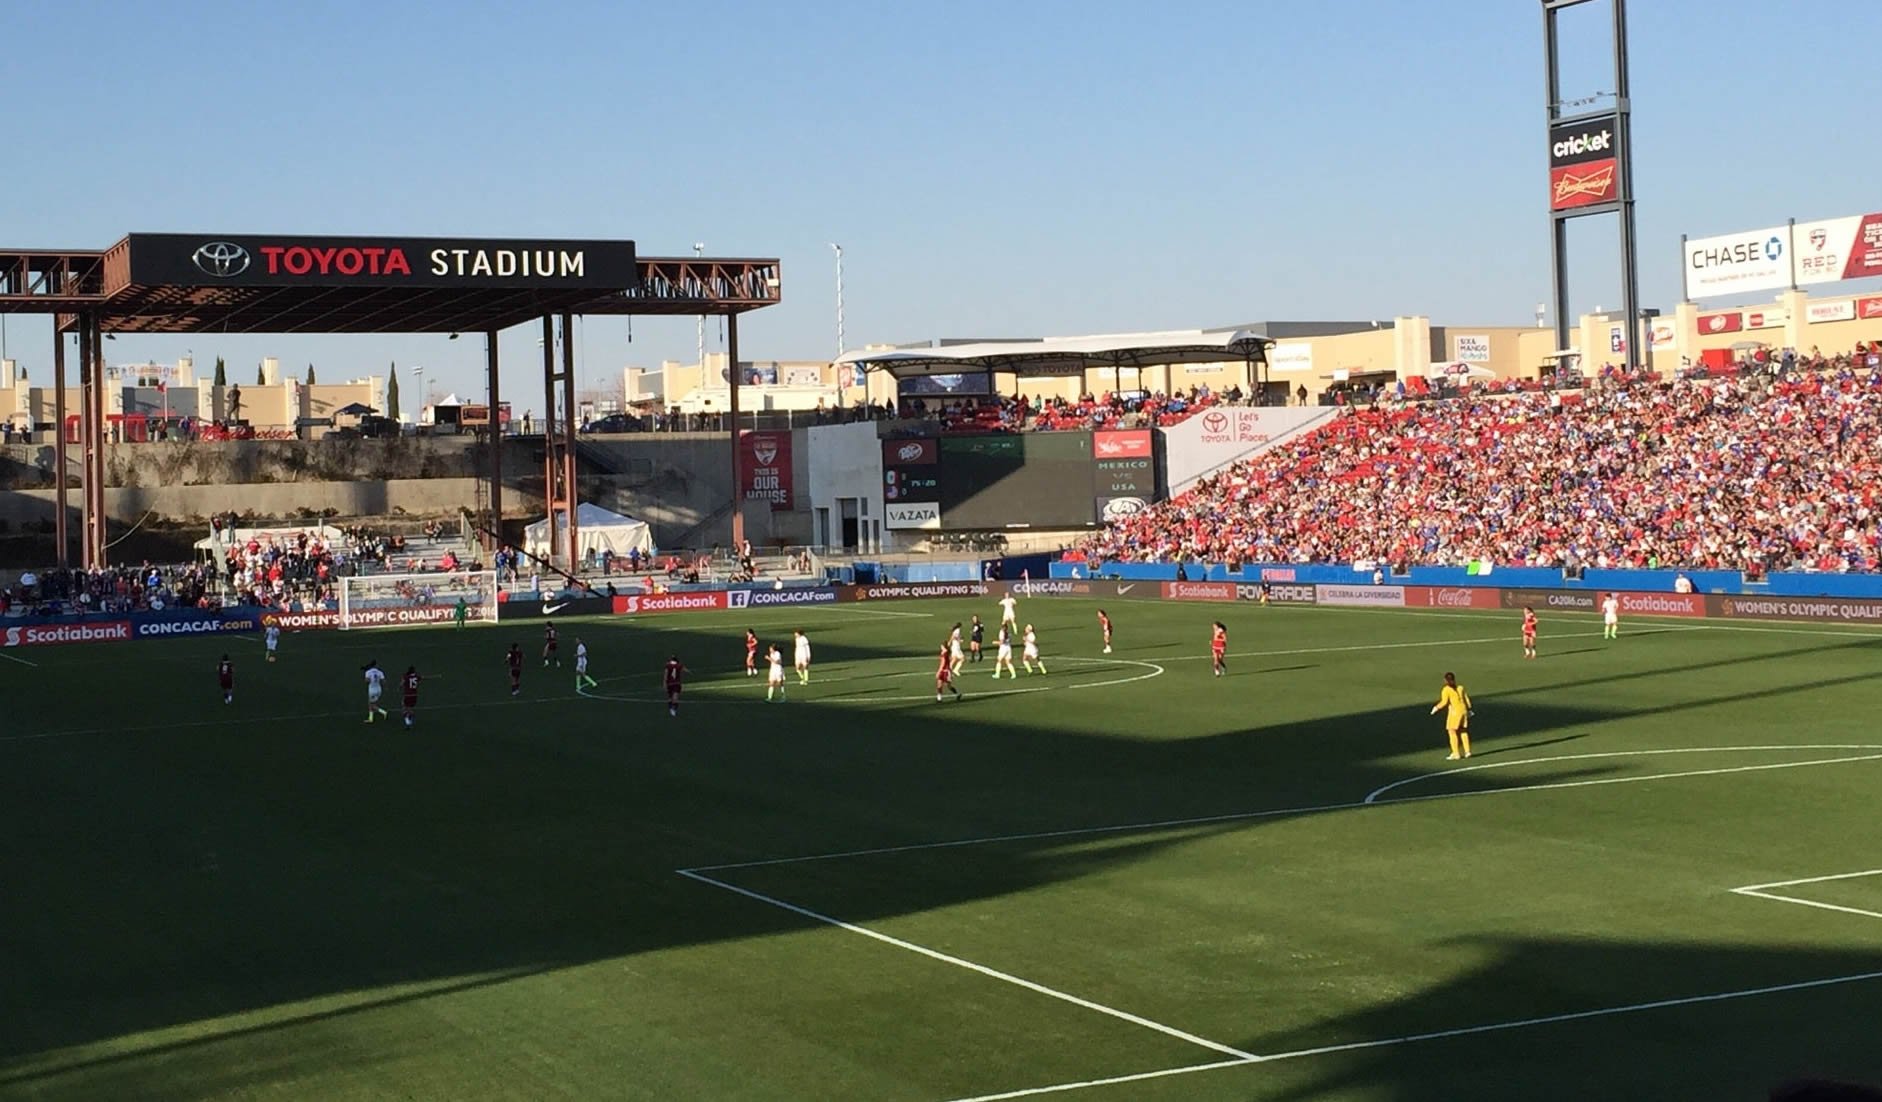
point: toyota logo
(1215, 422)
(221, 258)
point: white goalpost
(392, 600)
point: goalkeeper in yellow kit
(1457, 719)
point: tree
(310, 374)
(222, 372)
(392, 392)
(261, 375)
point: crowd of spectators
(1774, 468)
(1105, 411)
(116, 589)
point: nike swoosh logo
(551, 609)
(1123, 589)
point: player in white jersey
(273, 638)
(1008, 613)
(800, 655)
(1611, 617)
(1029, 652)
(1003, 659)
(375, 685)
(774, 676)
(581, 666)
(956, 656)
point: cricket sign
(1584, 162)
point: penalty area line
(959, 962)
(1446, 1034)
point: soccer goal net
(389, 600)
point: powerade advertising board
(1036, 479)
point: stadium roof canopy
(1060, 356)
(256, 283)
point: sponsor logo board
(765, 469)
(1829, 610)
(1198, 591)
(910, 453)
(764, 598)
(1663, 604)
(1278, 573)
(1551, 599)
(1721, 323)
(1819, 312)
(1766, 319)
(1463, 596)
(1283, 593)
(636, 604)
(912, 514)
(1361, 596)
(1584, 162)
(1471, 348)
(1291, 357)
(195, 625)
(1729, 264)
(1869, 307)
(1117, 508)
(256, 260)
(1053, 587)
(897, 591)
(51, 635)
(1132, 444)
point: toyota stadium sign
(1584, 163)
(260, 260)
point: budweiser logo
(1593, 185)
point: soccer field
(1658, 877)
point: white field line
(1510, 637)
(1057, 685)
(1758, 891)
(1371, 800)
(252, 721)
(16, 658)
(1004, 977)
(1443, 1034)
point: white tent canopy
(597, 530)
(1068, 355)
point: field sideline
(1126, 879)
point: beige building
(153, 392)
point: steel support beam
(493, 458)
(62, 534)
(733, 378)
(571, 488)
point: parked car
(614, 422)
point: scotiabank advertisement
(53, 635)
(1199, 591)
(637, 604)
(1662, 604)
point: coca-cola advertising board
(1462, 596)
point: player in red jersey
(751, 653)
(675, 673)
(225, 676)
(1104, 625)
(1219, 648)
(944, 674)
(1529, 632)
(408, 694)
(515, 659)
(549, 646)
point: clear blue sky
(991, 168)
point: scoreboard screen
(1040, 479)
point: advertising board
(1361, 596)
(1223, 434)
(1463, 596)
(1835, 249)
(911, 514)
(1471, 348)
(1824, 610)
(1124, 465)
(898, 591)
(1662, 604)
(769, 598)
(636, 604)
(1734, 263)
(264, 260)
(1817, 313)
(1290, 358)
(1198, 591)
(1584, 162)
(52, 635)
(1553, 599)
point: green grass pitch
(1126, 879)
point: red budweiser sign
(1721, 323)
(1582, 185)
(1584, 162)
(1870, 307)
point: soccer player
(1029, 651)
(1611, 617)
(800, 655)
(955, 654)
(774, 678)
(1457, 719)
(1104, 625)
(1529, 632)
(272, 637)
(549, 652)
(375, 686)
(461, 614)
(976, 632)
(515, 659)
(225, 677)
(675, 673)
(751, 653)
(581, 666)
(944, 675)
(408, 694)
(1008, 612)
(1004, 659)
(1219, 648)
